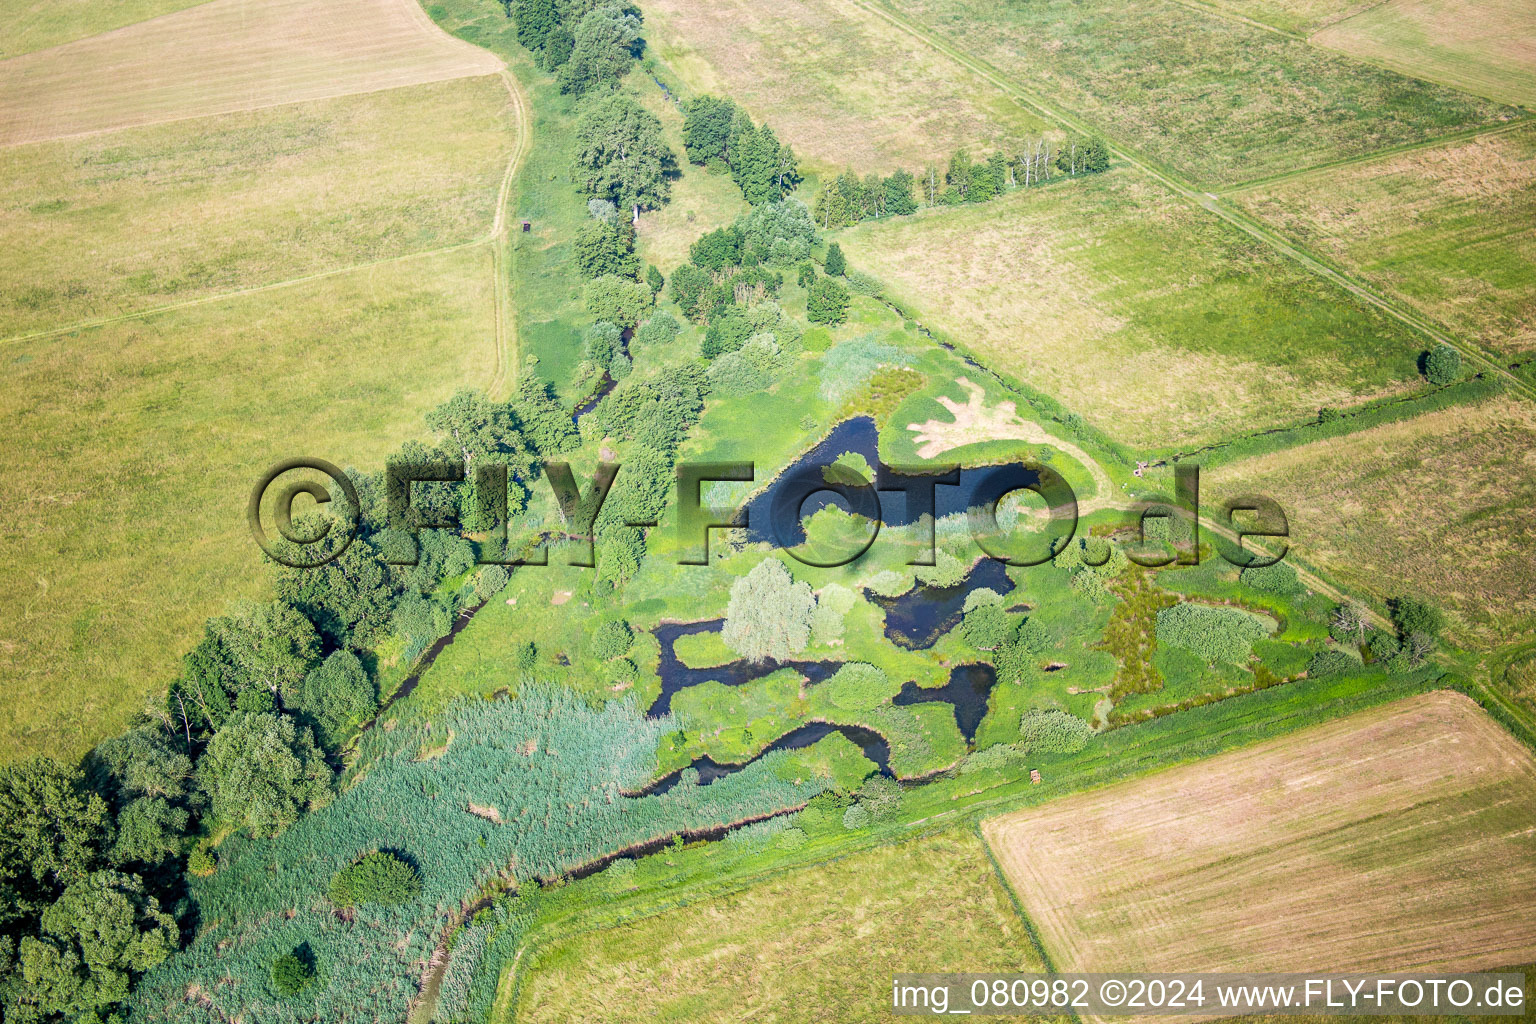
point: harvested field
(131, 450)
(1402, 838)
(814, 945)
(224, 56)
(29, 25)
(1487, 47)
(1450, 229)
(1442, 506)
(147, 217)
(844, 87)
(1150, 317)
(1217, 99)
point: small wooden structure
(527, 225)
(1034, 776)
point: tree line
(849, 199)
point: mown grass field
(1402, 838)
(1450, 229)
(224, 56)
(28, 25)
(819, 944)
(132, 448)
(147, 217)
(1217, 99)
(844, 87)
(1487, 47)
(1440, 506)
(1151, 318)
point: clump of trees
(849, 199)
(621, 156)
(721, 136)
(769, 615)
(588, 48)
(736, 266)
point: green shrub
(1411, 615)
(858, 687)
(1214, 634)
(291, 975)
(1279, 578)
(379, 878)
(880, 796)
(612, 639)
(1052, 732)
(982, 596)
(525, 655)
(827, 302)
(1330, 663)
(986, 627)
(1442, 365)
(489, 581)
(890, 583)
(855, 817)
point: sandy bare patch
(560, 597)
(974, 421)
(1402, 838)
(227, 55)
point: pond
(775, 515)
(917, 619)
(968, 690)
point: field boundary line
(328, 97)
(1207, 200)
(86, 325)
(1523, 121)
(497, 232)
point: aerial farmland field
(1454, 495)
(1482, 47)
(209, 395)
(1369, 821)
(224, 56)
(1096, 289)
(845, 88)
(156, 216)
(1448, 229)
(932, 902)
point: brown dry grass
(1442, 506)
(1450, 229)
(1487, 47)
(224, 56)
(29, 25)
(131, 450)
(1402, 838)
(1147, 316)
(845, 88)
(148, 217)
